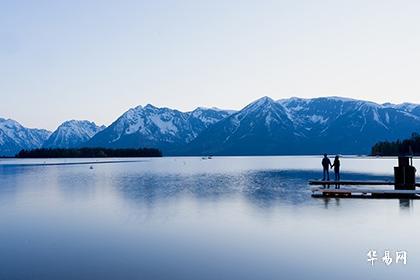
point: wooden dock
(329, 189)
(403, 186)
(364, 193)
(354, 183)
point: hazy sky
(93, 60)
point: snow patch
(164, 126)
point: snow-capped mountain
(260, 128)
(306, 126)
(341, 125)
(14, 137)
(406, 107)
(264, 127)
(201, 118)
(72, 134)
(150, 126)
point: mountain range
(163, 128)
(72, 134)
(264, 127)
(14, 137)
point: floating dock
(404, 185)
(353, 183)
(364, 193)
(335, 189)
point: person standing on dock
(326, 163)
(336, 166)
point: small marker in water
(91, 167)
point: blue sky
(95, 59)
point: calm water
(189, 218)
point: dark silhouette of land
(89, 153)
(400, 147)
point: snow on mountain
(264, 127)
(150, 126)
(325, 110)
(306, 126)
(201, 118)
(72, 134)
(14, 137)
(341, 125)
(260, 128)
(411, 108)
(265, 109)
(407, 107)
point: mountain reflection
(263, 189)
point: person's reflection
(337, 202)
(405, 203)
(326, 202)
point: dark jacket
(326, 162)
(336, 165)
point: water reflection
(262, 188)
(328, 201)
(405, 204)
(240, 218)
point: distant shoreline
(89, 153)
(73, 163)
(367, 156)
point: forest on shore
(88, 153)
(409, 146)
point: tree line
(88, 153)
(409, 146)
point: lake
(194, 218)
